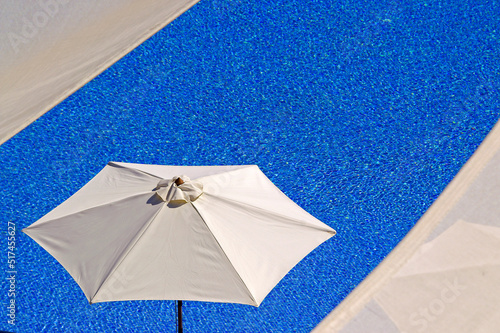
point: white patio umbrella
(204, 233)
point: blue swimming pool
(361, 112)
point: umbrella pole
(179, 316)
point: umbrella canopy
(205, 233)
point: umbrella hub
(179, 189)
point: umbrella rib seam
(114, 164)
(126, 252)
(243, 167)
(296, 221)
(225, 255)
(85, 210)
